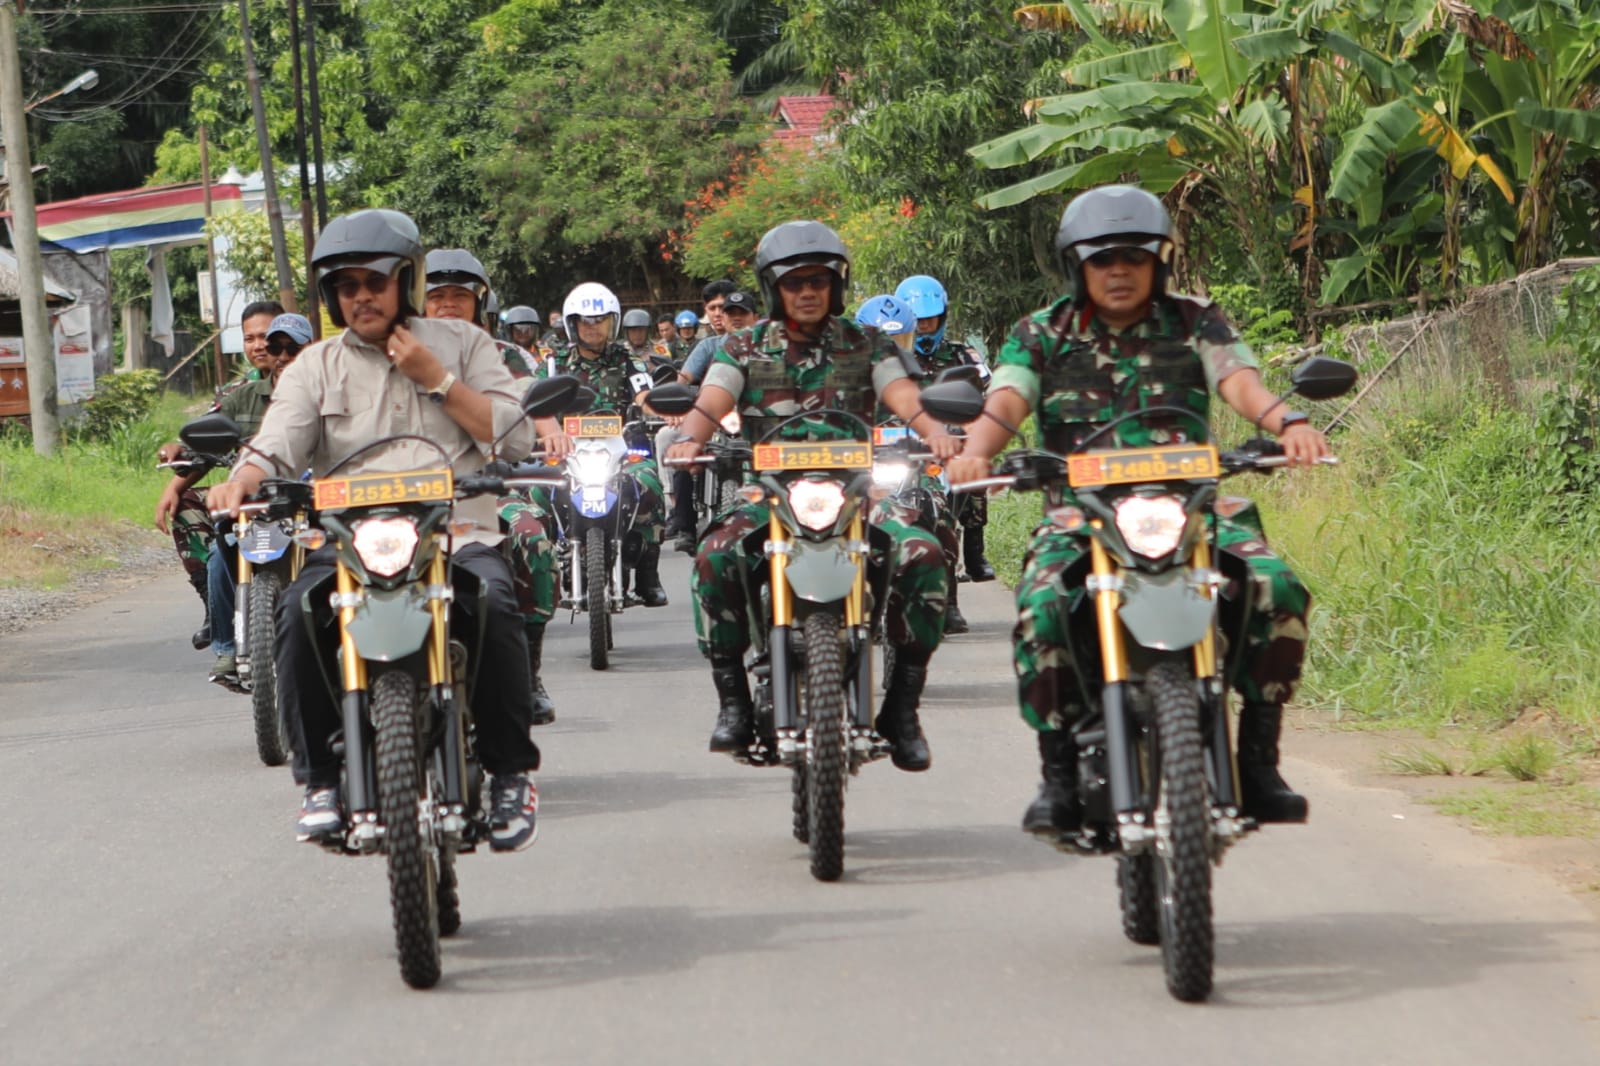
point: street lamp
(87, 80)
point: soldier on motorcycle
(393, 372)
(457, 284)
(521, 325)
(1120, 341)
(935, 352)
(605, 365)
(806, 357)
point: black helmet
(796, 244)
(638, 318)
(520, 315)
(377, 239)
(459, 267)
(1113, 216)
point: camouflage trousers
(531, 553)
(651, 517)
(191, 534)
(1047, 686)
(913, 616)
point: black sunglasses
(348, 287)
(1134, 257)
(815, 282)
(283, 348)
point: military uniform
(773, 377)
(525, 515)
(1077, 374)
(612, 375)
(245, 401)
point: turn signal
(311, 539)
(1070, 519)
(752, 493)
(1228, 506)
(460, 527)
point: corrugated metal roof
(11, 289)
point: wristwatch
(1293, 418)
(438, 392)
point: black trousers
(502, 700)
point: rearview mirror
(550, 397)
(1321, 378)
(212, 434)
(663, 375)
(965, 372)
(582, 400)
(676, 399)
(953, 402)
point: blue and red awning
(136, 218)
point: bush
(119, 401)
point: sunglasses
(594, 320)
(815, 282)
(283, 348)
(1134, 257)
(349, 288)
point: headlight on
(889, 475)
(816, 504)
(1151, 526)
(589, 468)
(731, 423)
(385, 545)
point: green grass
(1528, 810)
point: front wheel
(413, 865)
(271, 742)
(827, 757)
(594, 580)
(1136, 887)
(1183, 827)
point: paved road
(157, 910)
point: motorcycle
(717, 483)
(411, 784)
(1157, 772)
(811, 617)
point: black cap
(741, 300)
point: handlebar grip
(1005, 481)
(692, 461)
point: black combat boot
(897, 719)
(954, 621)
(544, 708)
(1264, 795)
(646, 581)
(201, 638)
(1055, 809)
(735, 727)
(978, 568)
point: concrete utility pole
(280, 250)
(37, 346)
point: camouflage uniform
(1076, 374)
(610, 375)
(525, 516)
(773, 377)
(245, 401)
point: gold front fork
(439, 607)
(351, 668)
(782, 598)
(1113, 650)
(855, 607)
(1205, 652)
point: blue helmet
(927, 299)
(888, 314)
(686, 318)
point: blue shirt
(699, 359)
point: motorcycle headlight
(1151, 526)
(731, 423)
(816, 504)
(589, 468)
(889, 475)
(385, 545)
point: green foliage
(1568, 462)
(246, 250)
(1262, 326)
(120, 400)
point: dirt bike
(411, 784)
(1157, 772)
(717, 483)
(811, 617)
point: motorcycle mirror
(953, 402)
(965, 372)
(663, 375)
(212, 434)
(674, 399)
(550, 397)
(582, 400)
(1321, 378)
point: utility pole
(211, 262)
(37, 347)
(307, 223)
(316, 118)
(280, 251)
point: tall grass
(1449, 586)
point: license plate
(814, 455)
(593, 425)
(1131, 465)
(373, 490)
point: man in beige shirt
(393, 372)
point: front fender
(391, 624)
(820, 573)
(1164, 611)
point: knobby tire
(829, 761)
(413, 873)
(1183, 871)
(595, 571)
(1136, 886)
(271, 742)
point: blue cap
(298, 327)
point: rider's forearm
(710, 408)
(471, 410)
(986, 437)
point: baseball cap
(741, 301)
(298, 327)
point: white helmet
(590, 300)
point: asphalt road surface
(157, 910)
